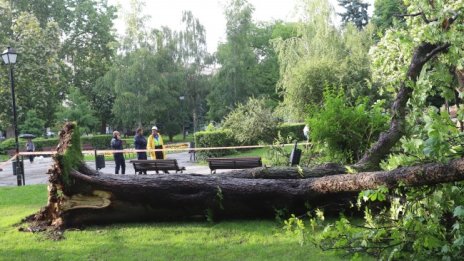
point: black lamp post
(9, 58)
(181, 98)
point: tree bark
(379, 150)
(102, 198)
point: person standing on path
(140, 143)
(116, 144)
(30, 147)
(155, 141)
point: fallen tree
(79, 195)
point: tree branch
(437, 50)
(424, 17)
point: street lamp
(181, 98)
(9, 58)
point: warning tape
(35, 153)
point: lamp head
(9, 56)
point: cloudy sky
(210, 13)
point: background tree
(355, 12)
(39, 72)
(84, 39)
(322, 55)
(194, 59)
(77, 109)
(32, 124)
(387, 14)
(89, 46)
(265, 72)
(232, 82)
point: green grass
(231, 240)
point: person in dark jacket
(30, 147)
(140, 143)
(116, 144)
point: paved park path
(35, 173)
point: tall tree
(232, 82)
(355, 12)
(318, 58)
(309, 61)
(77, 109)
(87, 39)
(39, 72)
(89, 46)
(137, 32)
(32, 124)
(387, 13)
(194, 58)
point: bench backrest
(161, 164)
(235, 163)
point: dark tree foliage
(356, 12)
(387, 14)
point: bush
(291, 131)
(346, 129)
(252, 122)
(218, 138)
(9, 144)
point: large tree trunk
(79, 195)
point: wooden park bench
(157, 165)
(234, 163)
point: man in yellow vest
(155, 142)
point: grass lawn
(231, 240)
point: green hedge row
(9, 144)
(224, 138)
(208, 139)
(292, 131)
(99, 142)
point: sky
(211, 15)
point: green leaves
(459, 212)
(344, 128)
(380, 194)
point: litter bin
(21, 165)
(295, 156)
(99, 162)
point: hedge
(291, 131)
(9, 144)
(207, 139)
(99, 142)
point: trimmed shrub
(218, 138)
(291, 131)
